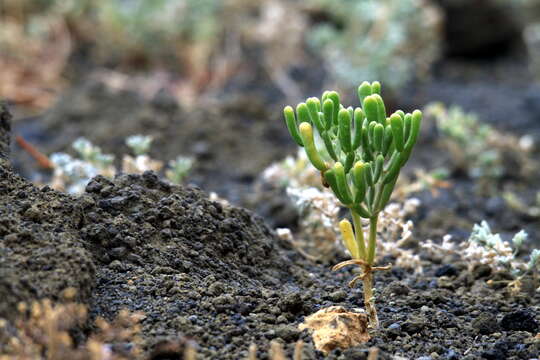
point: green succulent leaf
(364, 90)
(381, 109)
(407, 122)
(371, 108)
(368, 173)
(349, 161)
(358, 121)
(306, 133)
(329, 145)
(394, 166)
(376, 87)
(342, 184)
(331, 179)
(359, 181)
(396, 122)
(328, 111)
(387, 141)
(334, 96)
(345, 130)
(416, 120)
(386, 193)
(351, 112)
(377, 171)
(290, 120)
(314, 106)
(302, 113)
(360, 210)
(378, 134)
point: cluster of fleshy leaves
(361, 150)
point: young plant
(179, 169)
(359, 153)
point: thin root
(355, 279)
(382, 268)
(350, 262)
(366, 269)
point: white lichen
(72, 174)
(485, 247)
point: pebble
(223, 299)
(446, 270)
(523, 320)
(181, 321)
(274, 310)
(118, 252)
(117, 266)
(216, 288)
(337, 296)
(394, 329)
(413, 326)
(291, 302)
(485, 323)
(397, 288)
(451, 355)
(288, 333)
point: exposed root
(367, 277)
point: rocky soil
(219, 275)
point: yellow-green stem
(359, 235)
(372, 240)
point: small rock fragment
(287, 332)
(485, 323)
(413, 326)
(339, 295)
(521, 320)
(446, 270)
(396, 288)
(394, 329)
(335, 327)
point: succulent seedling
(359, 152)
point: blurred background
(204, 83)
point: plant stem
(369, 302)
(372, 240)
(368, 298)
(359, 235)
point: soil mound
(140, 243)
(40, 249)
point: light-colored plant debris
(484, 247)
(73, 174)
(336, 328)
